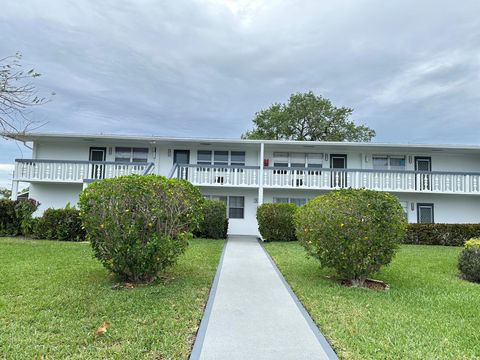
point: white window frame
(131, 153)
(224, 163)
(389, 165)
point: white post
(14, 190)
(260, 175)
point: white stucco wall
(54, 195)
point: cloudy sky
(410, 69)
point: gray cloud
(203, 68)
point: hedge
(59, 224)
(16, 216)
(215, 221)
(441, 234)
(469, 261)
(275, 221)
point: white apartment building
(434, 183)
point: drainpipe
(260, 175)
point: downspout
(260, 174)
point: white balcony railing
(74, 171)
(385, 180)
(212, 175)
(327, 179)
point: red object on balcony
(265, 162)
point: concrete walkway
(253, 314)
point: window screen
(380, 162)
(425, 213)
(140, 155)
(237, 158)
(297, 160)
(220, 158)
(204, 157)
(298, 201)
(236, 206)
(128, 154)
(280, 159)
(280, 199)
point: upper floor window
(297, 160)
(386, 162)
(129, 154)
(221, 157)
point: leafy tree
(17, 95)
(307, 117)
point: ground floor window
(293, 200)
(235, 205)
(425, 213)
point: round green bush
(469, 261)
(139, 225)
(354, 231)
(275, 221)
(16, 216)
(215, 222)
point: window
(297, 160)
(385, 162)
(425, 213)
(280, 159)
(216, 197)
(236, 207)
(221, 157)
(204, 157)
(296, 201)
(128, 154)
(237, 158)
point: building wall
(54, 195)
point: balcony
(60, 171)
(441, 182)
(211, 175)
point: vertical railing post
(260, 174)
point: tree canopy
(307, 117)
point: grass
(428, 313)
(54, 295)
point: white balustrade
(73, 171)
(219, 175)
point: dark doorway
(182, 157)
(97, 154)
(422, 181)
(338, 178)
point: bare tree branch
(17, 96)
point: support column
(14, 190)
(260, 175)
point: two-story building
(434, 183)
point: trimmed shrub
(441, 234)
(354, 231)
(59, 224)
(16, 216)
(139, 225)
(469, 261)
(275, 221)
(215, 222)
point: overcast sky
(410, 69)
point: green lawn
(54, 295)
(428, 313)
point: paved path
(252, 313)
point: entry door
(422, 180)
(98, 169)
(338, 178)
(182, 157)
